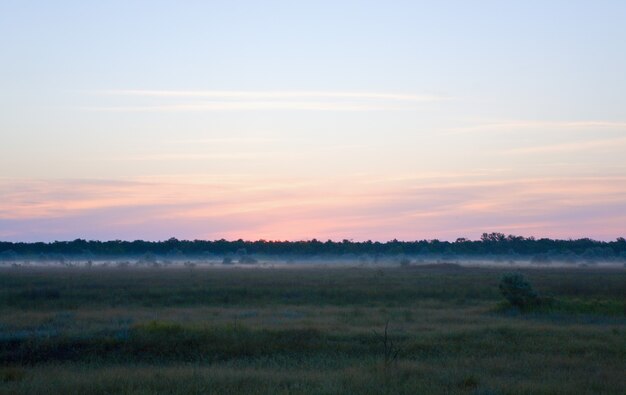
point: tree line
(489, 244)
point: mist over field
(491, 249)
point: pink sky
(357, 208)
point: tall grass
(308, 331)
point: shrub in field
(149, 259)
(518, 291)
(248, 260)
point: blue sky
(294, 113)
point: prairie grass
(308, 331)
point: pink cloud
(358, 208)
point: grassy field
(306, 330)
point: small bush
(518, 291)
(247, 260)
(148, 259)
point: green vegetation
(518, 291)
(304, 330)
(491, 246)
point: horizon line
(315, 239)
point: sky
(295, 120)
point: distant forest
(490, 245)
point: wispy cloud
(225, 140)
(521, 125)
(275, 95)
(160, 157)
(251, 106)
(181, 101)
(336, 208)
(573, 146)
